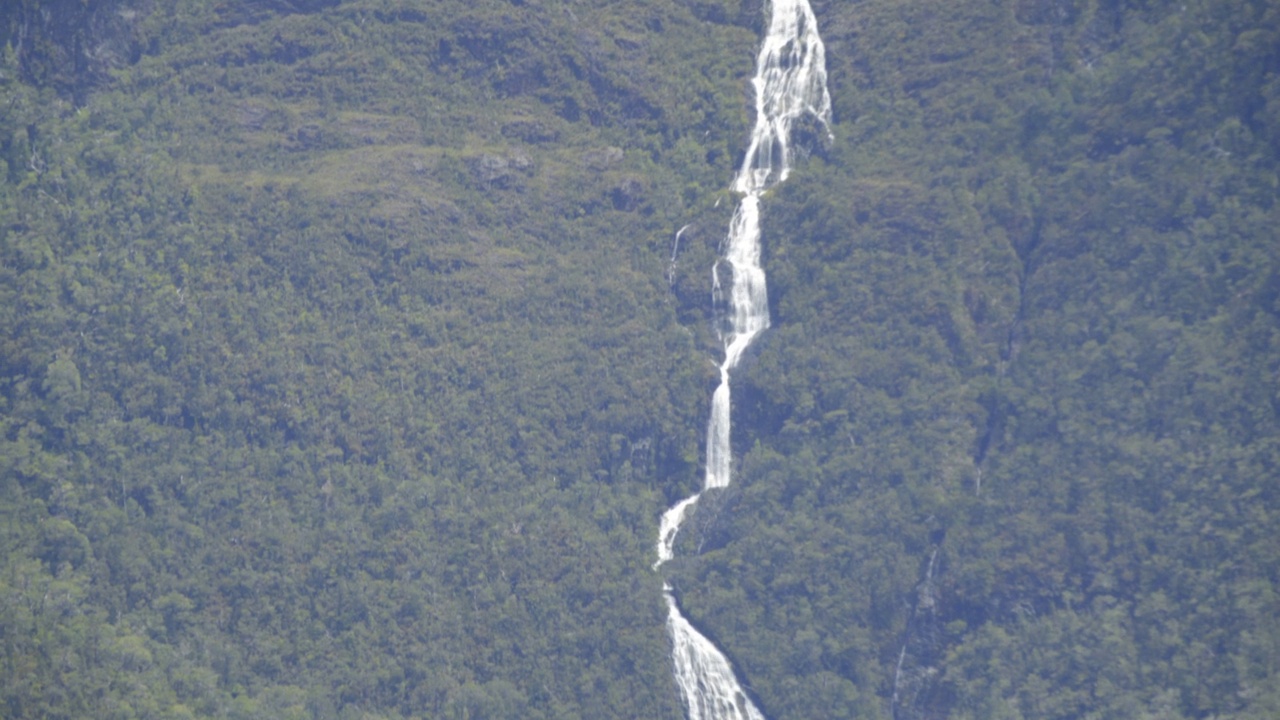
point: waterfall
(916, 671)
(790, 84)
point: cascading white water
(790, 83)
(705, 677)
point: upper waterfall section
(790, 82)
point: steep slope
(1014, 431)
(346, 365)
(340, 373)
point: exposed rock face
(500, 171)
(602, 158)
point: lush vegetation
(344, 370)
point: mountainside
(347, 361)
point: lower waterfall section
(790, 83)
(706, 679)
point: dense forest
(346, 365)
